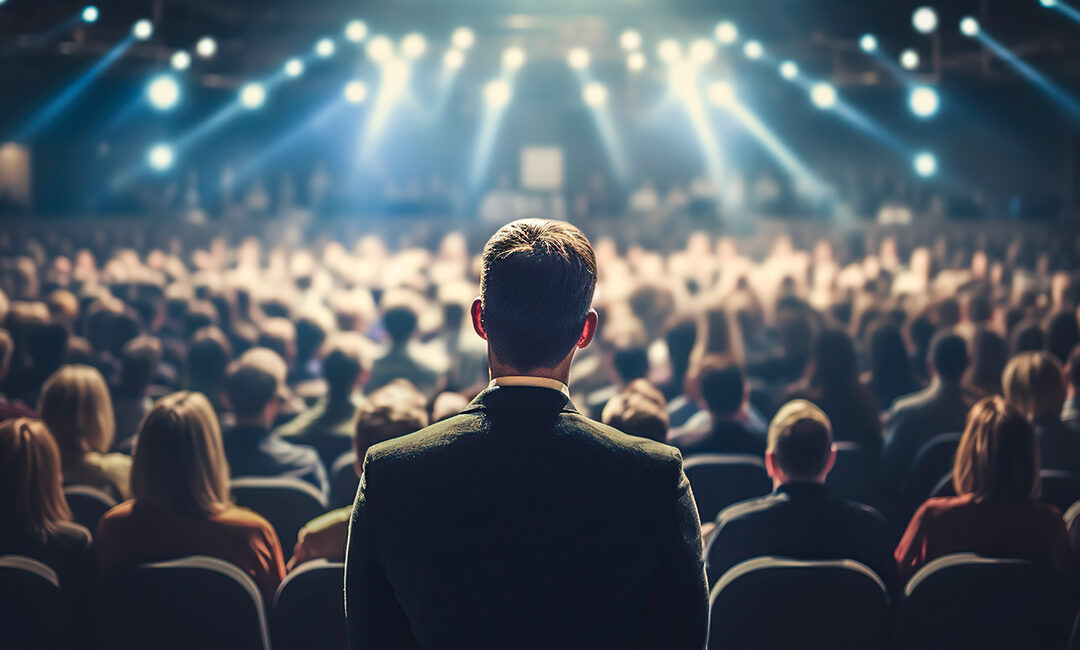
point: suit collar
(803, 489)
(520, 398)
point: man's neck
(559, 373)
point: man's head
(342, 367)
(722, 386)
(394, 410)
(800, 444)
(253, 385)
(949, 357)
(536, 289)
(640, 410)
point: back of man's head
(800, 440)
(341, 368)
(400, 322)
(536, 286)
(948, 353)
(253, 381)
(138, 362)
(394, 410)
(638, 411)
(722, 386)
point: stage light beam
(595, 94)
(380, 49)
(163, 92)
(630, 40)
(721, 94)
(463, 38)
(142, 30)
(969, 26)
(453, 59)
(702, 51)
(513, 58)
(636, 61)
(823, 95)
(868, 43)
(924, 101)
(909, 59)
(356, 31)
(253, 95)
(497, 94)
(294, 67)
(753, 50)
(413, 46)
(180, 60)
(90, 14)
(356, 92)
(789, 70)
(925, 164)
(578, 58)
(160, 157)
(726, 32)
(325, 47)
(669, 51)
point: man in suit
(724, 391)
(520, 523)
(800, 519)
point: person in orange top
(998, 514)
(182, 506)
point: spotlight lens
(380, 49)
(253, 95)
(726, 32)
(355, 31)
(668, 50)
(969, 26)
(463, 38)
(823, 95)
(163, 92)
(206, 47)
(868, 43)
(789, 70)
(753, 50)
(90, 14)
(925, 164)
(1048, 3)
(413, 46)
(497, 93)
(924, 101)
(909, 59)
(160, 157)
(721, 94)
(702, 51)
(325, 47)
(578, 58)
(513, 58)
(180, 60)
(294, 67)
(595, 94)
(630, 40)
(453, 59)
(356, 92)
(924, 20)
(142, 29)
(636, 61)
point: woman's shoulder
(243, 519)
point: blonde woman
(76, 406)
(1034, 383)
(181, 504)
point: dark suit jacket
(254, 451)
(912, 422)
(522, 524)
(1059, 446)
(727, 436)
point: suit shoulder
(630, 446)
(430, 437)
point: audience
(989, 354)
(725, 393)
(400, 319)
(139, 360)
(1034, 384)
(890, 375)
(1070, 412)
(638, 410)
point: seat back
(343, 481)
(719, 480)
(1060, 489)
(969, 601)
(88, 504)
(309, 608)
(1071, 515)
(776, 603)
(33, 612)
(287, 503)
(853, 476)
(931, 462)
(194, 602)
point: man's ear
(589, 331)
(477, 314)
(770, 465)
(830, 463)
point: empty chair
(1060, 489)
(968, 601)
(771, 602)
(194, 602)
(343, 480)
(932, 461)
(719, 480)
(32, 608)
(853, 475)
(309, 608)
(287, 503)
(88, 504)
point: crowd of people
(157, 376)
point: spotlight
(789, 70)
(636, 61)
(823, 95)
(578, 58)
(1048, 3)
(413, 46)
(969, 26)
(630, 40)
(925, 164)
(294, 67)
(142, 29)
(683, 78)
(497, 93)
(721, 94)
(163, 92)
(160, 157)
(924, 20)
(356, 92)
(206, 47)
(513, 58)
(702, 51)
(380, 49)
(253, 95)
(909, 59)
(726, 32)
(355, 31)
(753, 50)
(868, 43)
(924, 101)
(463, 38)
(90, 14)
(669, 50)
(594, 94)
(453, 59)
(180, 60)
(325, 47)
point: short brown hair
(998, 456)
(800, 439)
(31, 495)
(637, 412)
(394, 410)
(254, 380)
(1034, 382)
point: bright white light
(594, 94)
(753, 50)
(909, 59)
(726, 32)
(702, 51)
(355, 31)
(463, 38)
(924, 20)
(925, 164)
(160, 157)
(823, 95)
(163, 92)
(253, 95)
(868, 43)
(453, 59)
(669, 50)
(206, 47)
(789, 70)
(294, 67)
(969, 26)
(380, 49)
(413, 46)
(90, 14)
(1048, 3)
(356, 92)
(142, 29)
(924, 101)
(578, 58)
(497, 93)
(513, 58)
(636, 61)
(721, 94)
(630, 40)
(325, 47)
(180, 60)
(684, 78)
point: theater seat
(772, 603)
(343, 480)
(969, 601)
(88, 504)
(1071, 515)
(1060, 489)
(719, 480)
(32, 608)
(287, 503)
(932, 461)
(309, 608)
(194, 602)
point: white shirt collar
(540, 382)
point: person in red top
(182, 507)
(996, 474)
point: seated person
(401, 320)
(139, 361)
(800, 520)
(182, 506)
(394, 410)
(1034, 384)
(725, 393)
(997, 514)
(639, 410)
(1070, 412)
(253, 387)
